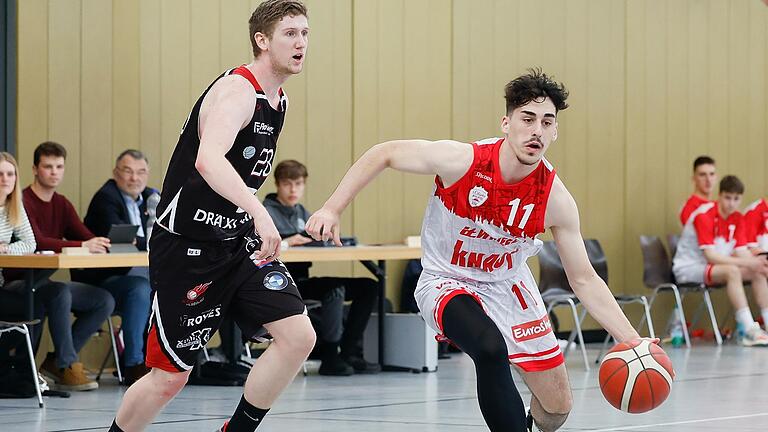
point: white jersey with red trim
(756, 221)
(481, 228)
(706, 228)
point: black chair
(598, 260)
(113, 350)
(658, 276)
(23, 328)
(555, 291)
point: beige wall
(653, 84)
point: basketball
(636, 377)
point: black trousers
(332, 292)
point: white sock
(744, 317)
(764, 313)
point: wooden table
(40, 266)
(372, 257)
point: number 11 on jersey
(527, 210)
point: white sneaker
(755, 336)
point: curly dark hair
(532, 86)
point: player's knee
(169, 383)
(490, 347)
(302, 339)
(563, 405)
(732, 273)
(557, 409)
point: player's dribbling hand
(270, 239)
(324, 225)
(651, 340)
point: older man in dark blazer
(123, 200)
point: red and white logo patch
(194, 296)
(477, 196)
(532, 329)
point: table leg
(380, 272)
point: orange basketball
(636, 377)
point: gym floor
(716, 389)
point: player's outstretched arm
(447, 159)
(227, 109)
(563, 219)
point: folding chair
(599, 262)
(555, 291)
(658, 276)
(22, 327)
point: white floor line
(765, 414)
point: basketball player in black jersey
(214, 249)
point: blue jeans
(58, 300)
(132, 298)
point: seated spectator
(123, 200)
(756, 221)
(712, 250)
(289, 217)
(704, 179)
(56, 299)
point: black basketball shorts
(196, 284)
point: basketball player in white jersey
(492, 199)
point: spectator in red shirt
(704, 179)
(55, 224)
(713, 250)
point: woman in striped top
(16, 235)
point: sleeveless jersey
(481, 228)
(188, 206)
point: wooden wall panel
(175, 61)
(150, 105)
(32, 102)
(204, 45)
(126, 77)
(64, 91)
(756, 109)
(96, 99)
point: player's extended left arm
(587, 285)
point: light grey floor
(722, 389)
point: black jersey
(188, 206)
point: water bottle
(677, 334)
(152, 202)
(676, 330)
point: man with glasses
(123, 200)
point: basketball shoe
(754, 336)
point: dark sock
(115, 427)
(246, 417)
